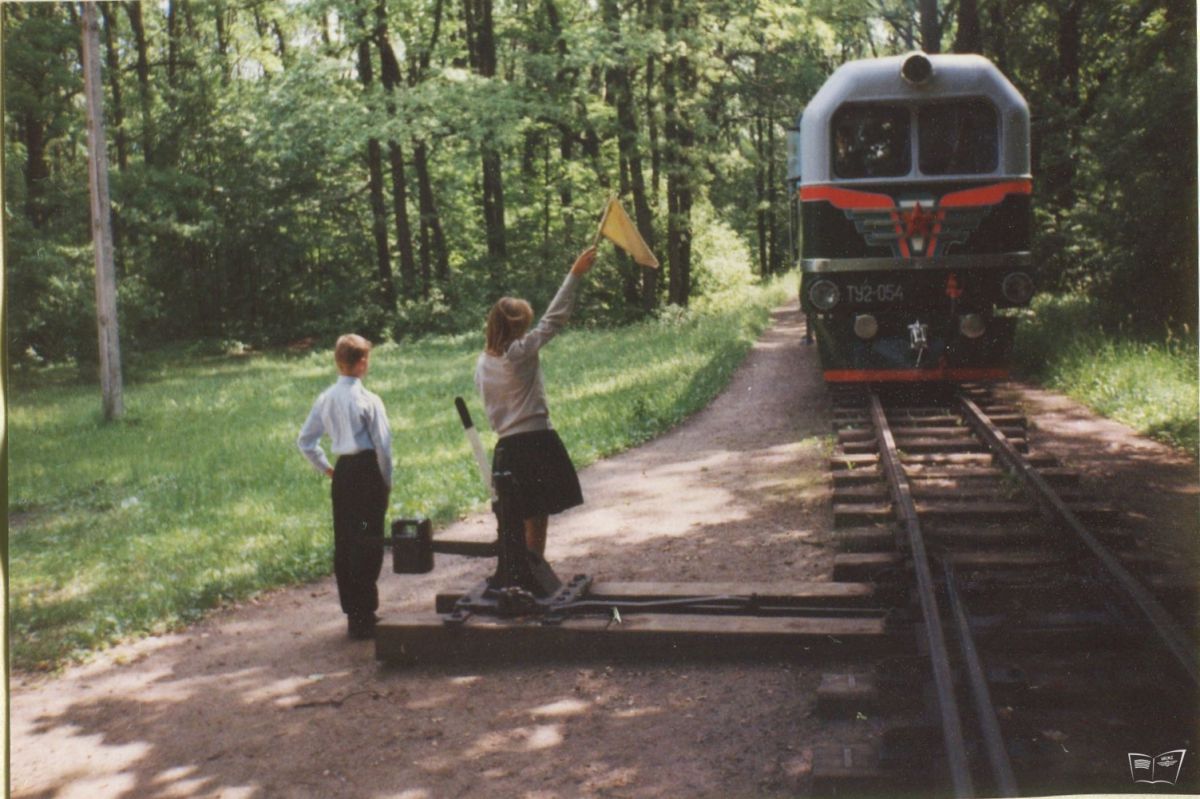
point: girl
(509, 379)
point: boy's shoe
(360, 628)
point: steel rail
(1053, 508)
(985, 711)
(943, 679)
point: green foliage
(238, 160)
(1150, 384)
(722, 258)
(1114, 170)
(238, 154)
(199, 497)
(427, 317)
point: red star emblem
(918, 221)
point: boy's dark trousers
(359, 507)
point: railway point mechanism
(525, 612)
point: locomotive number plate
(875, 292)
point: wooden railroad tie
(804, 621)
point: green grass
(1150, 385)
(199, 497)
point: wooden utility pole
(106, 282)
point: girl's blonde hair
(506, 322)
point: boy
(357, 425)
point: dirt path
(270, 700)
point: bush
(720, 258)
(425, 317)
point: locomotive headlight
(971, 325)
(1017, 288)
(917, 68)
(824, 295)
(865, 326)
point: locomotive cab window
(960, 138)
(871, 141)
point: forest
(283, 171)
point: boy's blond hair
(349, 350)
(506, 322)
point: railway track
(1044, 648)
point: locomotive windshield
(871, 141)
(959, 138)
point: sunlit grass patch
(1150, 385)
(199, 497)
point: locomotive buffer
(524, 611)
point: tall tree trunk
(677, 80)
(408, 266)
(493, 204)
(1068, 100)
(621, 96)
(433, 240)
(172, 40)
(114, 80)
(145, 91)
(222, 38)
(931, 27)
(761, 207)
(481, 42)
(545, 193)
(760, 193)
(280, 42)
(564, 78)
(37, 168)
(387, 288)
(391, 77)
(566, 197)
(1069, 49)
(629, 267)
(651, 116)
(968, 38)
(998, 27)
(774, 258)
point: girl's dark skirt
(545, 478)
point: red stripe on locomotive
(985, 195)
(846, 198)
(913, 375)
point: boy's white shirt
(355, 420)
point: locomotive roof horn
(916, 69)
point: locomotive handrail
(1052, 507)
(943, 679)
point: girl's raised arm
(559, 311)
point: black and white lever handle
(481, 461)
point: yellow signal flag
(617, 227)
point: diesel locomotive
(911, 182)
